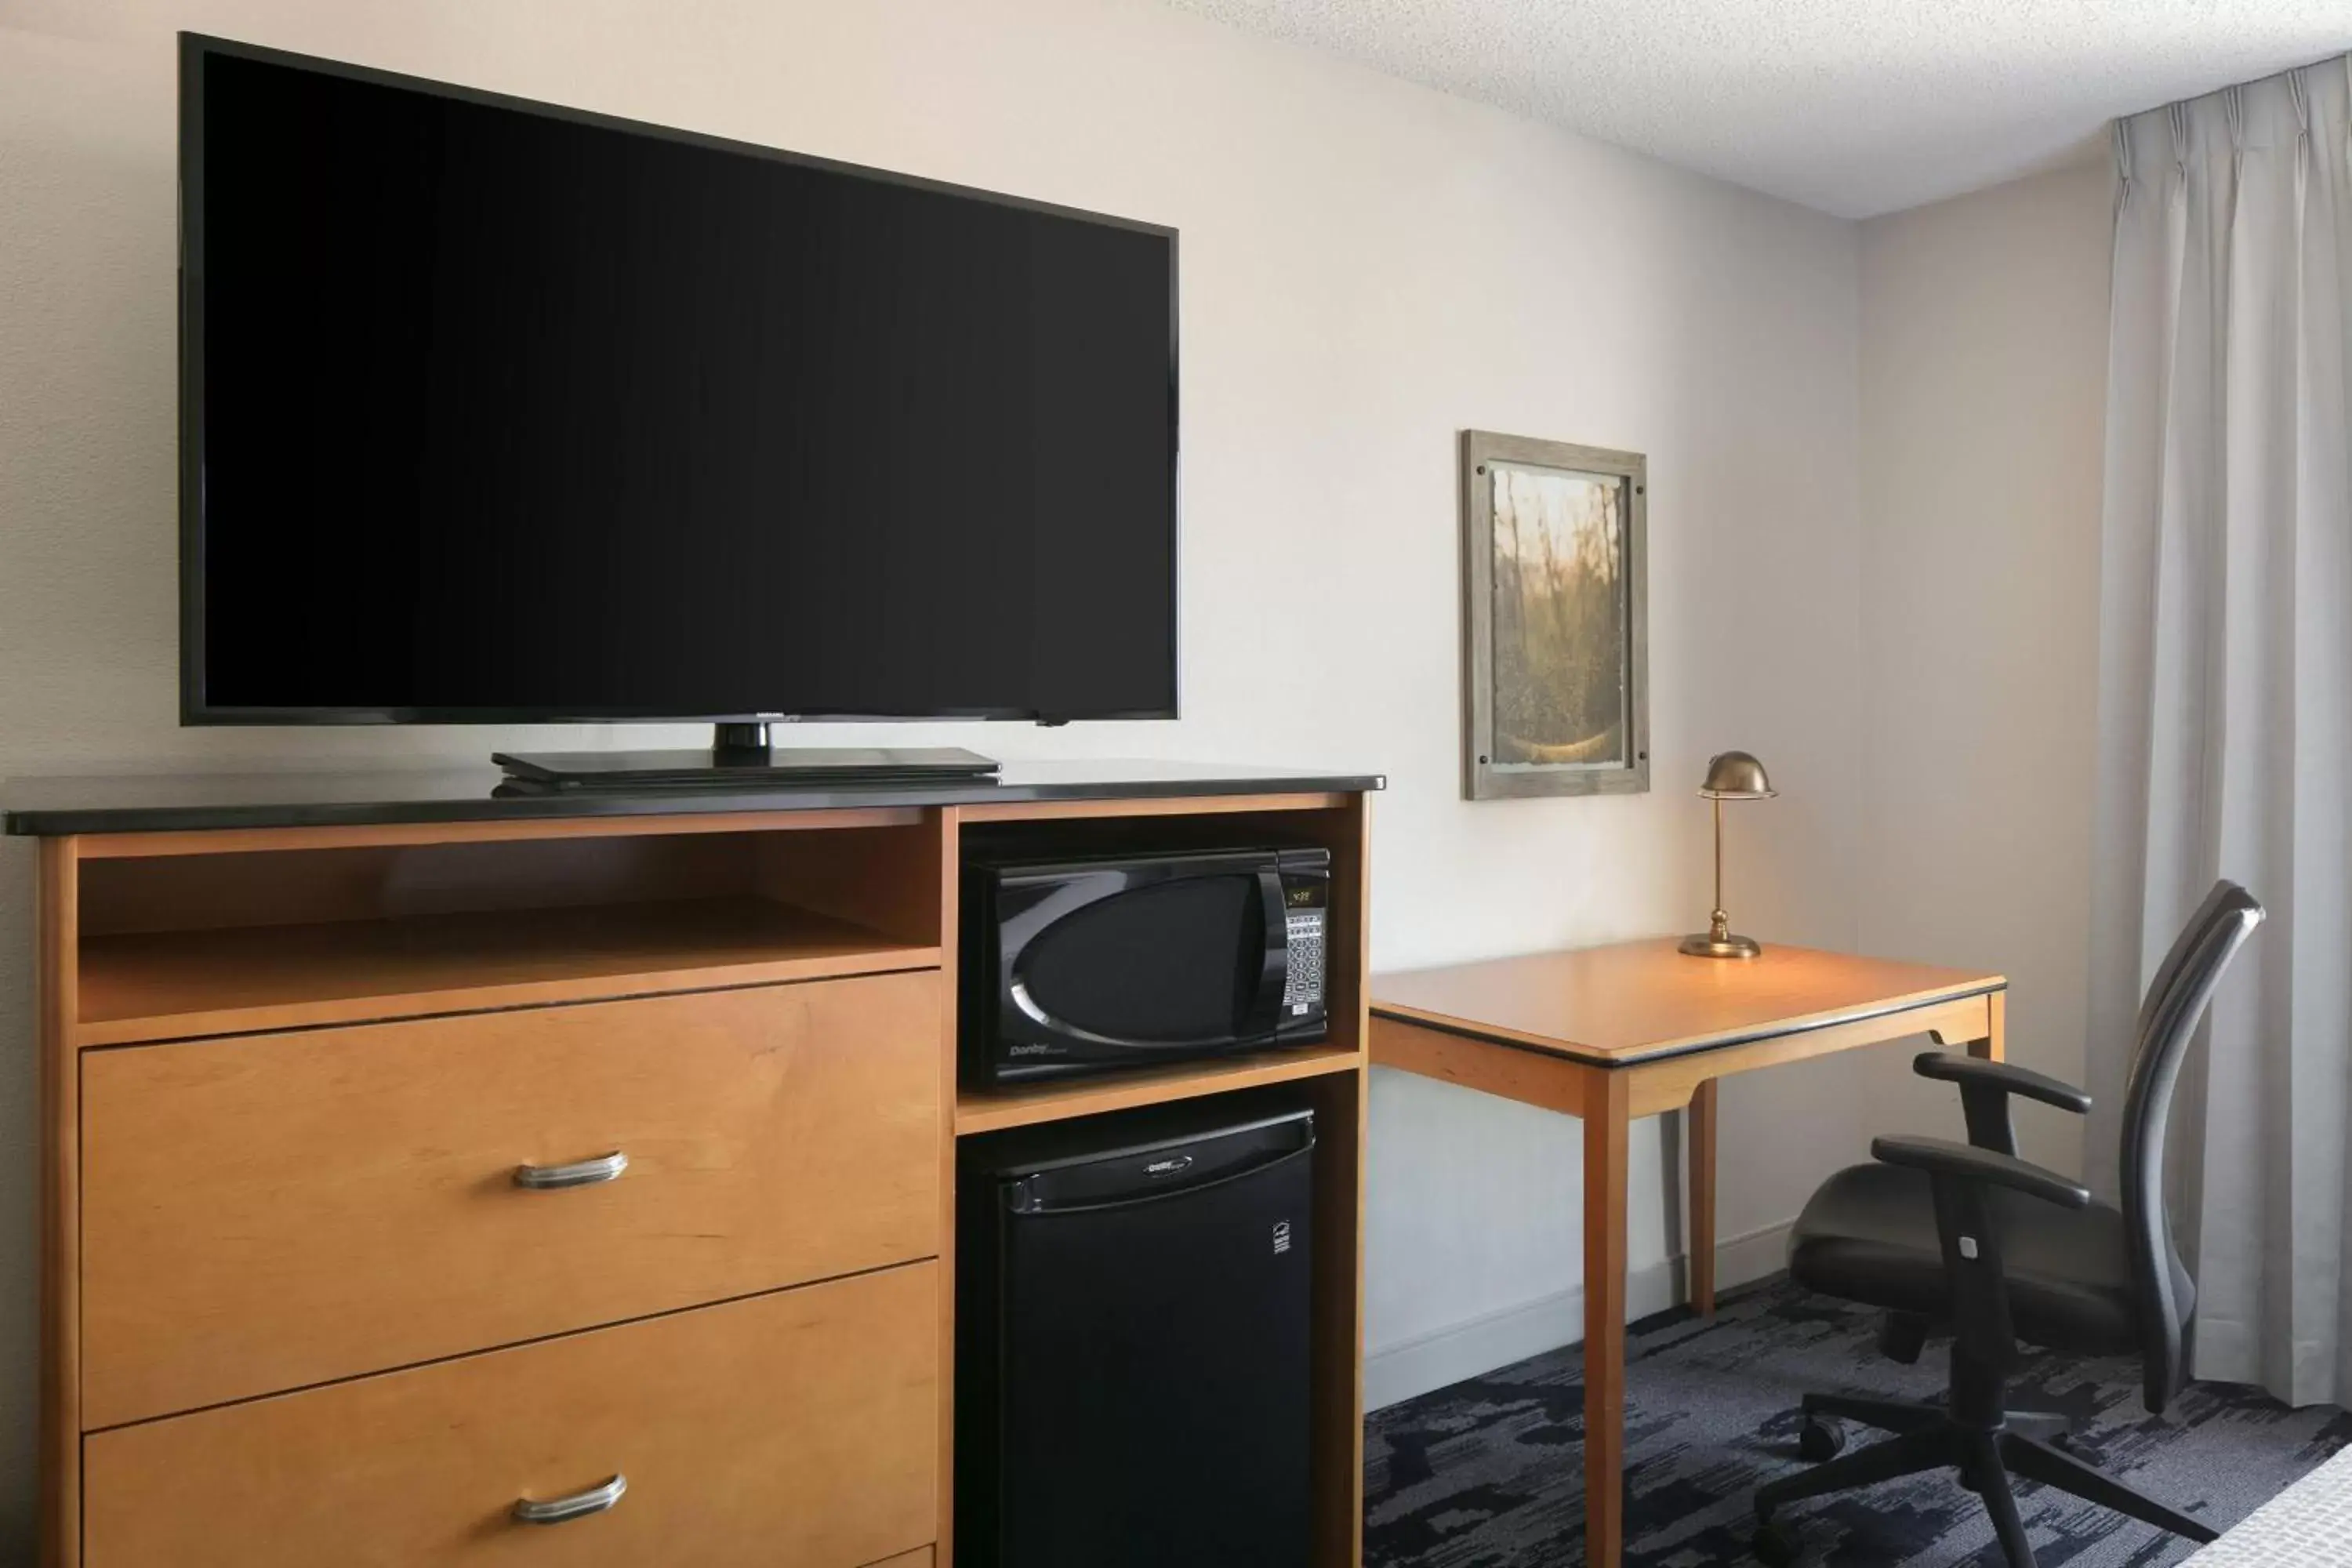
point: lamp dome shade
(1735, 776)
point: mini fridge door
(1148, 1345)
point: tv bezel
(195, 710)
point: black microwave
(1090, 965)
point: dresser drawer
(800, 1427)
(267, 1213)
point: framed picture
(1555, 618)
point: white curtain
(2226, 694)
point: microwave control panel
(1306, 900)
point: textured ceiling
(1855, 107)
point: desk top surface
(1639, 1000)
(151, 802)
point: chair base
(1986, 1454)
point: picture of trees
(1561, 658)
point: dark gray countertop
(153, 803)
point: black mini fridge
(1132, 1325)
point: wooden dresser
(432, 1177)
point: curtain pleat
(2225, 735)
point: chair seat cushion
(1869, 1235)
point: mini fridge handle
(1025, 1202)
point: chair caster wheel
(1776, 1545)
(1821, 1441)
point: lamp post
(1730, 776)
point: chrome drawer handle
(579, 1505)
(578, 1173)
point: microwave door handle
(1020, 994)
(1264, 1012)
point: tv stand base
(739, 755)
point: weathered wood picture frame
(1555, 618)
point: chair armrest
(1962, 1177)
(1951, 1066)
(1964, 1161)
(1985, 1090)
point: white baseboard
(1447, 1355)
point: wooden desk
(1609, 1034)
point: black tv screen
(494, 411)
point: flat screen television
(498, 412)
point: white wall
(1367, 267)
(1984, 389)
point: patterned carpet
(1489, 1473)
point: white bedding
(2309, 1525)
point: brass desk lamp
(1730, 776)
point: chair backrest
(2176, 1004)
(2219, 903)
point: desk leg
(1994, 1046)
(1699, 1240)
(1607, 1128)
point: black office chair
(1972, 1239)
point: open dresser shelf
(161, 985)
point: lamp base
(1707, 944)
